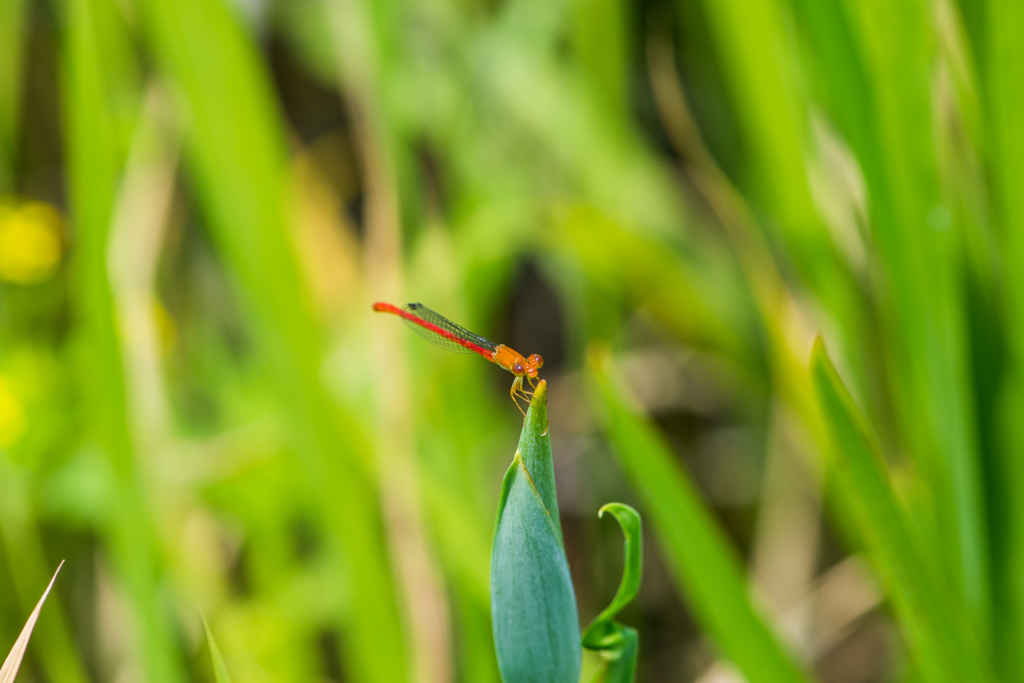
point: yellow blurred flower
(30, 246)
(12, 416)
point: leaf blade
(12, 663)
(220, 669)
(944, 648)
(619, 645)
(602, 626)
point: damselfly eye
(518, 369)
(535, 361)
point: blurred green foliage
(200, 199)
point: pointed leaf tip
(535, 451)
(13, 662)
(819, 353)
(220, 670)
(537, 415)
(540, 394)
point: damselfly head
(533, 364)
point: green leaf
(220, 670)
(595, 637)
(533, 605)
(704, 566)
(618, 644)
(937, 634)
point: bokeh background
(200, 199)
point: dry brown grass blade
(13, 661)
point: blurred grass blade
(534, 617)
(920, 249)
(236, 156)
(1004, 57)
(705, 568)
(937, 633)
(13, 662)
(220, 670)
(757, 53)
(12, 33)
(602, 40)
(99, 96)
(618, 644)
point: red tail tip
(382, 307)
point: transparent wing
(443, 323)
